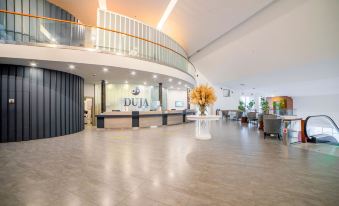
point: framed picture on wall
(226, 92)
(179, 104)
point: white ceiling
(93, 74)
(290, 48)
(194, 24)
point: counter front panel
(114, 120)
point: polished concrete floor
(166, 166)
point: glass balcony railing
(19, 28)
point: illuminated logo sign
(136, 102)
(136, 91)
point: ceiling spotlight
(155, 76)
(179, 83)
(71, 66)
(133, 73)
(104, 69)
(145, 83)
(33, 64)
(126, 82)
(170, 80)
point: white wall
(317, 105)
(222, 102)
(176, 95)
(88, 90)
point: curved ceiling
(290, 48)
(193, 24)
(90, 64)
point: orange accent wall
(288, 101)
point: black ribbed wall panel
(47, 103)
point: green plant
(241, 106)
(264, 105)
(250, 105)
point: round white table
(202, 126)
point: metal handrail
(329, 118)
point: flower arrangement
(203, 95)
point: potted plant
(265, 109)
(264, 105)
(241, 106)
(242, 109)
(250, 105)
(203, 96)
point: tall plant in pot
(203, 96)
(264, 105)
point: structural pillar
(160, 94)
(103, 96)
(188, 99)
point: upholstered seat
(272, 126)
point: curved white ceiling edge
(89, 57)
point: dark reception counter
(114, 120)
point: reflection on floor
(320, 147)
(166, 166)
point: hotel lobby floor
(166, 166)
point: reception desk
(115, 120)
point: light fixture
(145, 83)
(94, 75)
(104, 69)
(170, 79)
(126, 82)
(155, 76)
(71, 66)
(166, 14)
(33, 64)
(133, 73)
(179, 83)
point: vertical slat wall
(47, 103)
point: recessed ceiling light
(170, 80)
(155, 76)
(126, 82)
(133, 73)
(33, 64)
(71, 66)
(145, 83)
(179, 83)
(104, 69)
